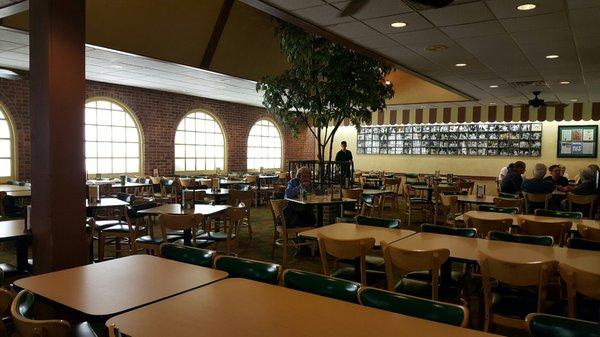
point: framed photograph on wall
(577, 141)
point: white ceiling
(111, 66)
(498, 43)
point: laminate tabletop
(19, 194)
(130, 185)
(13, 229)
(320, 200)
(177, 209)
(8, 188)
(106, 202)
(243, 308)
(350, 231)
(115, 286)
(473, 199)
(518, 219)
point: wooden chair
(512, 302)
(441, 312)
(484, 226)
(449, 209)
(392, 185)
(351, 212)
(559, 214)
(466, 185)
(206, 182)
(6, 299)
(322, 285)
(371, 204)
(509, 202)
(542, 325)
(243, 199)
(346, 250)
(541, 240)
(22, 313)
(406, 261)
(557, 230)
(230, 231)
(413, 205)
(439, 210)
(249, 269)
(582, 202)
(282, 235)
(579, 282)
(588, 233)
(177, 223)
(535, 198)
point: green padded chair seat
(559, 214)
(377, 222)
(9, 270)
(456, 276)
(120, 228)
(217, 236)
(344, 219)
(249, 269)
(541, 325)
(348, 273)
(422, 289)
(540, 240)
(496, 209)
(464, 232)
(331, 287)
(148, 239)
(202, 243)
(415, 307)
(513, 302)
(191, 255)
(83, 329)
(577, 243)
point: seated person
(513, 181)
(586, 187)
(563, 170)
(538, 185)
(556, 178)
(596, 170)
(298, 215)
(504, 171)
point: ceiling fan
(356, 5)
(537, 102)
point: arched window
(264, 146)
(199, 143)
(112, 139)
(6, 145)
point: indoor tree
(325, 84)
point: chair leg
(274, 245)
(285, 247)
(100, 247)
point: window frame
(282, 148)
(217, 121)
(13, 145)
(139, 130)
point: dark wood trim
(217, 32)
(14, 8)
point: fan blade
(434, 3)
(353, 7)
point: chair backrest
(187, 254)
(496, 209)
(558, 214)
(484, 226)
(249, 269)
(579, 281)
(339, 289)
(541, 240)
(277, 206)
(577, 243)
(185, 182)
(237, 196)
(441, 312)
(508, 195)
(558, 230)
(535, 198)
(464, 232)
(391, 184)
(22, 313)
(466, 185)
(179, 222)
(353, 193)
(406, 261)
(542, 325)
(588, 233)
(345, 250)
(155, 180)
(206, 182)
(377, 222)
(582, 200)
(509, 202)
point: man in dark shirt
(587, 185)
(513, 182)
(344, 155)
(561, 183)
(538, 185)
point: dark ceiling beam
(311, 28)
(215, 37)
(14, 9)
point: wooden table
(376, 192)
(349, 231)
(19, 194)
(111, 287)
(243, 308)
(124, 187)
(225, 182)
(217, 194)
(14, 230)
(8, 188)
(467, 249)
(429, 189)
(472, 199)
(519, 218)
(106, 203)
(320, 201)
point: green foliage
(326, 82)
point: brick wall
(159, 113)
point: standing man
(344, 155)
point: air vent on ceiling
(521, 84)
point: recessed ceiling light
(117, 66)
(398, 24)
(565, 82)
(492, 103)
(9, 74)
(493, 86)
(388, 82)
(461, 65)
(574, 100)
(552, 56)
(526, 7)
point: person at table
(504, 171)
(344, 155)
(556, 177)
(298, 215)
(563, 170)
(538, 185)
(513, 181)
(587, 186)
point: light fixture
(460, 65)
(552, 56)
(493, 86)
(9, 74)
(565, 82)
(116, 66)
(574, 100)
(398, 24)
(492, 103)
(526, 7)
(387, 82)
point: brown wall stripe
(596, 111)
(419, 116)
(432, 115)
(393, 114)
(447, 115)
(405, 116)
(559, 113)
(476, 114)
(541, 114)
(491, 113)
(524, 113)
(462, 114)
(577, 111)
(508, 113)
(380, 116)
